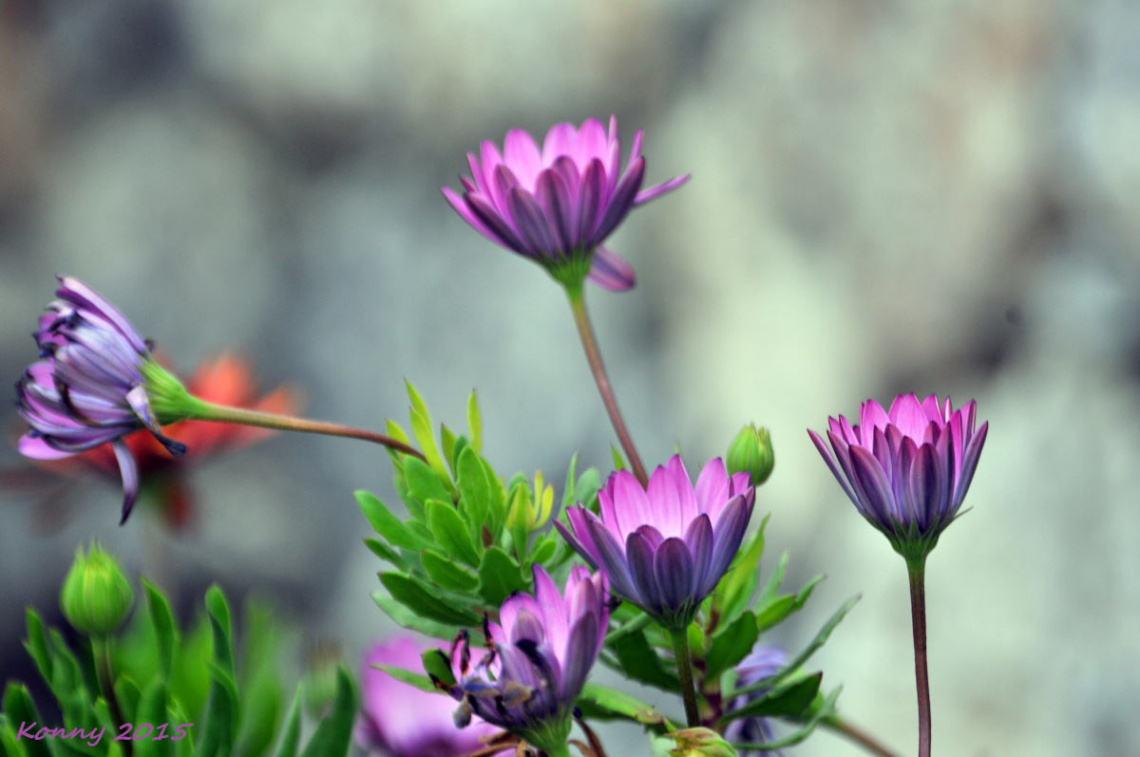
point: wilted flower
(906, 470)
(763, 662)
(399, 720)
(538, 658)
(556, 205)
(96, 596)
(96, 382)
(665, 548)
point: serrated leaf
(162, 623)
(731, 644)
(445, 572)
(388, 525)
(499, 576)
(450, 532)
(789, 699)
(604, 703)
(407, 618)
(475, 422)
(641, 662)
(334, 735)
(426, 601)
(291, 735)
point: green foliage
(230, 700)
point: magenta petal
(640, 554)
(129, 470)
(464, 210)
(665, 187)
(38, 449)
(872, 484)
(619, 205)
(531, 222)
(611, 271)
(75, 291)
(673, 566)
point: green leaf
(545, 548)
(772, 588)
(587, 488)
(387, 524)
(384, 552)
(263, 694)
(419, 680)
(397, 432)
(499, 576)
(445, 572)
(731, 644)
(128, 694)
(604, 703)
(422, 428)
(477, 493)
(826, 710)
(776, 611)
(738, 584)
(450, 532)
(448, 438)
(426, 601)
(334, 735)
(19, 708)
(641, 662)
(291, 736)
(153, 710)
(223, 716)
(162, 622)
(423, 482)
(475, 422)
(37, 645)
(619, 461)
(438, 664)
(568, 489)
(789, 699)
(406, 617)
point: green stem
(577, 297)
(208, 411)
(685, 671)
(104, 671)
(917, 571)
(561, 751)
(859, 736)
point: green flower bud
(700, 742)
(97, 596)
(751, 452)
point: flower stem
(685, 671)
(208, 411)
(577, 297)
(104, 672)
(857, 735)
(917, 570)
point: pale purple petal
(611, 271)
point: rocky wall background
(886, 197)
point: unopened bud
(751, 452)
(97, 596)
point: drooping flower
(227, 380)
(96, 382)
(399, 720)
(665, 548)
(763, 662)
(907, 469)
(557, 204)
(539, 655)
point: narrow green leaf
(499, 576)
(128, 694)
(162, 622)
(419, 680)
(475, 422)
(153, 710)
(825, 711)
(604, 703)
(731, 644)
(738, 584)
(291, 736)
(426, 601)
(388, 525)
(545, 548)
(586, 490)
(406, 617)
(386, 553)
(619, 461)
(334, 735)
(263, 693)
(778, 610)
(19, 707)
(422, 428)
(772, 588)
(475, 492)
(641, 662)
(223, 716)
(450, 532)
(445, 572)
(397, 432)
(568, 489)
(447, 438)
(437, 663)
(789, 699)
(37, 645)
(423, 482)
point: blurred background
(886, 197)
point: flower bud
(97, 596)
(751, 452)
(700, 742)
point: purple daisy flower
(399, 720)
(539, 655)
(907, 469)
(93, 385)
(556, 205)
(665, 548)
(763, 662)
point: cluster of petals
(907, 469)
(538, 655)
(557, 203)
(764, 661)
(400, 720)
(665, 547)
(88, 388)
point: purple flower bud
(763, 662)
(96, 382)
(665, 548)
(537, 660)
(907, 470)
(399, 720)
(556, 205)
